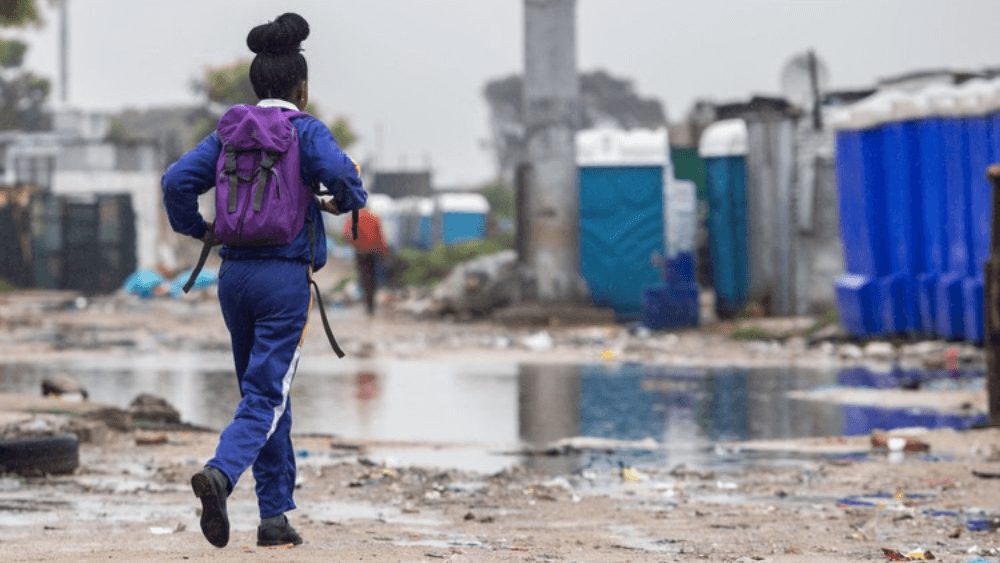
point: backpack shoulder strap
(319, 299)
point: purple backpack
(260, 198)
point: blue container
(980, 151)
(727, 227)
(861, 182)
(957, 195)
(934, 247)
(897, 292)
(861, 198)
(927, 303)
(621, 229)
(896, 301)
(949, 320)
(667, 307)
(680, 270)
(994, 120)
(855, 295)
(975, 315)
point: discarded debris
(149, 409)
(884, 441)
(896, 555)
(63, 386)
(579, 444)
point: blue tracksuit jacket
(265, 300)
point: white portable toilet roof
(608, 146)
(973, 97)
(727, 137)
(463, 203)
(380, 204)
(414, 204)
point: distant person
(264, 290)
(369, 249)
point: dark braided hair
(279, 65)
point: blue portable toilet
(723, 146)
(624, 177)
(934, 145)
(415, 217)
(463, 216)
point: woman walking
(264, 289)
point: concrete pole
(63, 51)
(551, 106)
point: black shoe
(212, 487)
(277, 531)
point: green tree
(22, 93)
(229, 85)
(19, 13)
(501, 198)
(343, 133)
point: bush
(428, 267)
(751, 333)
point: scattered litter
(883, 441)
(157, 440)
(164, 530)
(631, 475)
(896, 555)
(538, 342)
(981, 525)
(578, 444)
(10, 484)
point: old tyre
(40, 455)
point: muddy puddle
(481, 416)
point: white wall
(145, 190)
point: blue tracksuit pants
(265, 304)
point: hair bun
(283, 36)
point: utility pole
(63, 51)
(991, 283)
(551, 101)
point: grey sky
(414, 69)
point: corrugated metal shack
(793, 251)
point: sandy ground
(823, 499)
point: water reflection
(502, 406)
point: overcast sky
(409, 74)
